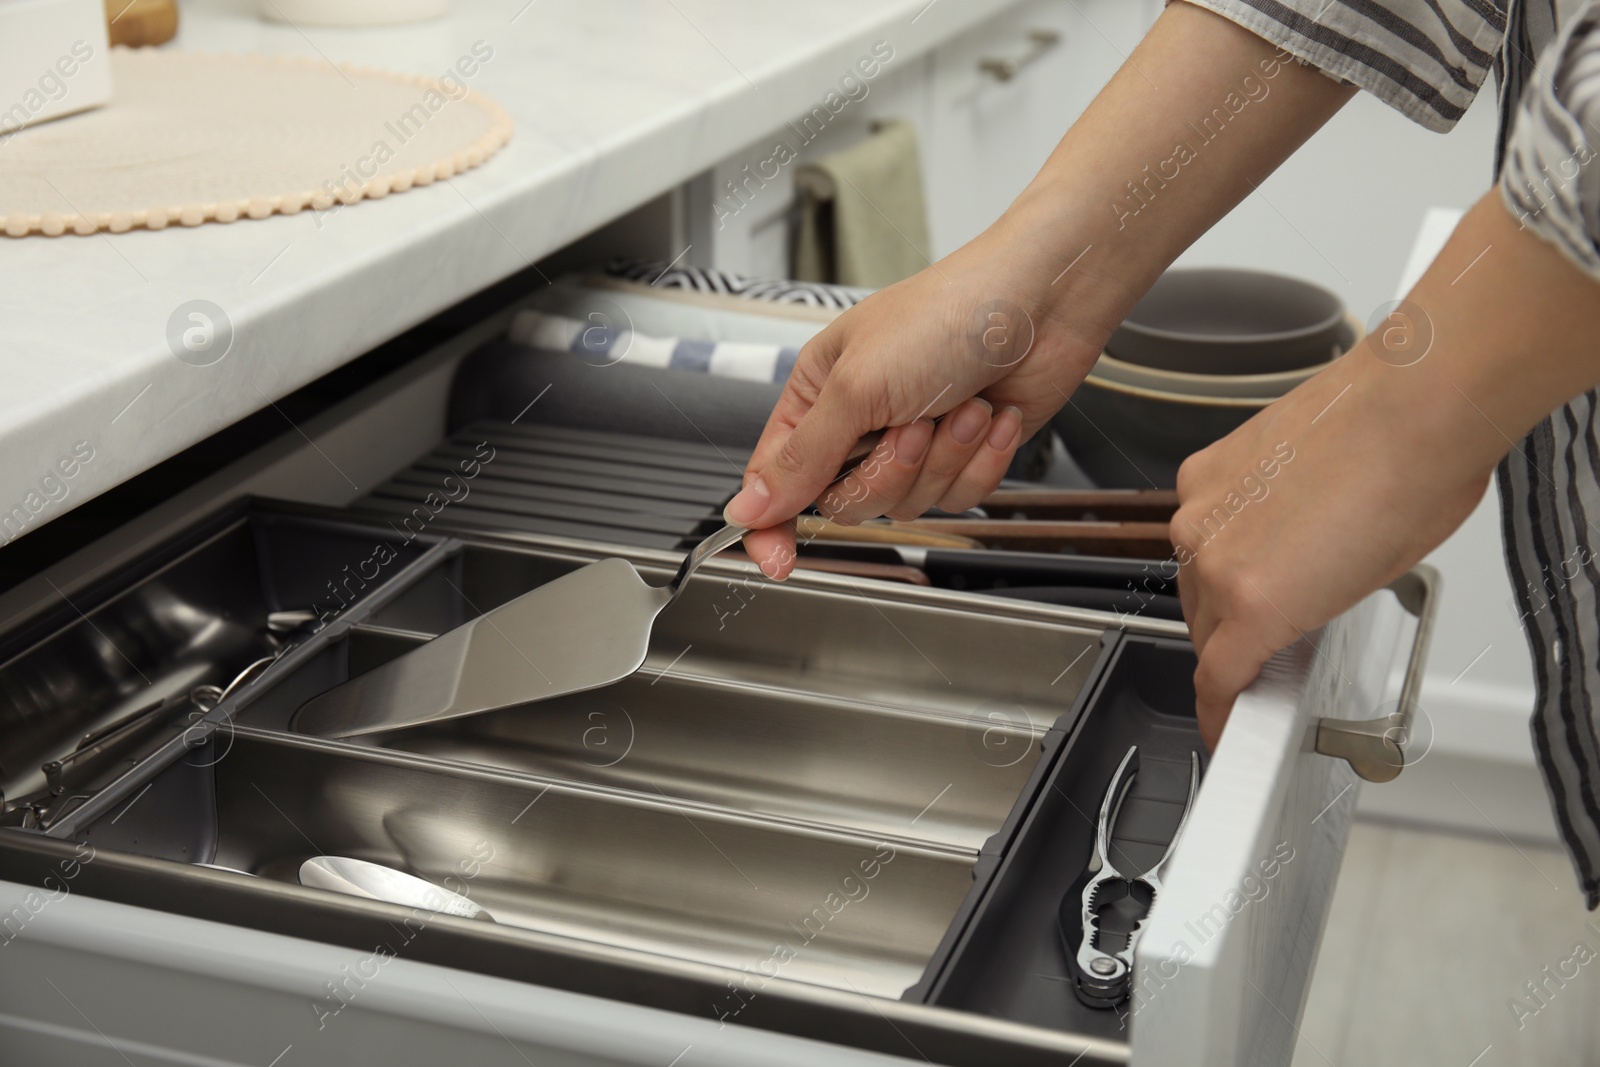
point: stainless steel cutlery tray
(649, 873)
(823, 789)
(871, 768)
(104, 677)
(932, 654)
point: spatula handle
(730, 535)
(724, 538)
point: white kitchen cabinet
(987, 138)
(740, 214)
(982, 137)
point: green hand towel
(863, 218)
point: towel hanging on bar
(863, 218)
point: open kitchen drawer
(830, 825)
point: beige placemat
(192, 138)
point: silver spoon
(220, 867)
(373, 881)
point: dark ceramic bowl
(1215, 320)
(1126, 437)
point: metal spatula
(586, 629)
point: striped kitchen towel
(710, 280)
(604, 345)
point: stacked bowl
(1197, 357)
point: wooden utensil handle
(813, 528)
(1106, 505)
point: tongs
(1102, 975)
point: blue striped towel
(604, 345)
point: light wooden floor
(1431, 936)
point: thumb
(803, 461)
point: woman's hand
(966, 339)
(1328, 494)
(1017, 317)
(1341, 486)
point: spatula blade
(586, 629)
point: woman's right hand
(996, 336)
(971, 339)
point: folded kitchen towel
(678, 312)
(863, 220)
(725, 283)
(604, 345)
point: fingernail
(748, 504)
(970, 421)
(911, 444)
(1007, 425)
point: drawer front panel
(1224, 967)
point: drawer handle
(1006, 68)
(1375, 748)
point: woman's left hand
(1293, 518)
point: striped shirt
(1427, 59)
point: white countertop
(615, 101)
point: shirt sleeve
(1425, 58)
(1548, 180)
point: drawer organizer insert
(831, 784)
(105, 677)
